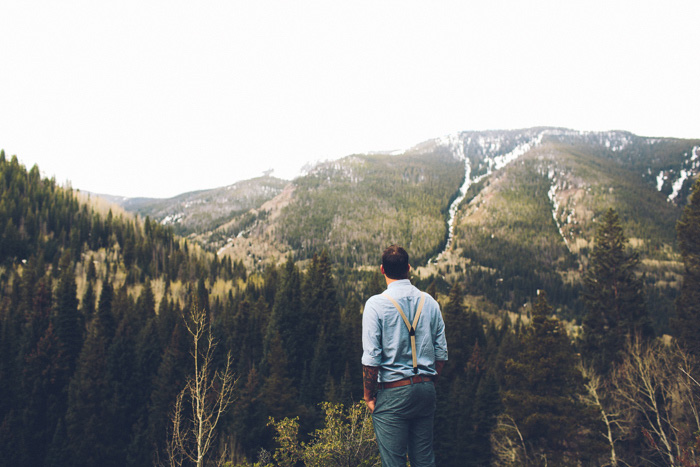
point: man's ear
(381, 269)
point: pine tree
(614, 299)
(278, 393)
(148, 358)
(248, 417)
(455, 439)
(44, 371)
(35, 306)
(541, 392)
(10, 372)
(45, 378)
(203, 295)
(169, 378)
(122, 408)
(68, 324)
(457, 330)
(321, 323)
(145, 306)
(289, 320)
(87, 418)
(88, 302)
(351, 330)
(686, 325)
(487, 406)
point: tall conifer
(541, 392)
(167, 383)
(686, 325)
(614, 299)
(87, 418)
(455, 438)
(289, 322)
(67, 320)
(321, 324)
(278, 391)
(45, 378)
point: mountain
(506, 211)
(204, 210)
(530, 213)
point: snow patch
(660, 180)
(172, 219)
(552, 193)
(501, 161)
(684, 175)
(455, 204)
(457, 146)
(678, 184)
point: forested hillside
(361, 203)
(89, 309)
(565, 269)
(202, 211)
(531, 225)
(95, 312)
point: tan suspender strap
(411, 328)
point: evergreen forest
(124, 344)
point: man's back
(386, 342)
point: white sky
(156, 98)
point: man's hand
(370, 381)
(370, 404)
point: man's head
(395, 263)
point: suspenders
(411, 327)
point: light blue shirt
(385, 340)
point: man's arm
(370, 380)
(439, 343)
(439, 365)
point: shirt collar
(399, 283)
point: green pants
(403, 424)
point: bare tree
(653, 384)
(204, 399)
(507, 443)
(615, 426)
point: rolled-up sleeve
(440, 342)
(371, 337)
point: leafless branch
(209, 394)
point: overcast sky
(156, 98)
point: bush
(345, 440)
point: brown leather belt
(405, 382)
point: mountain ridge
(506, 212)
(205, 209)
(614, 140)
(523, 205)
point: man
(399, 369)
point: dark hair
(395, 262)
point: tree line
(95, 350)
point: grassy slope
(507, 244)
(361, 204)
